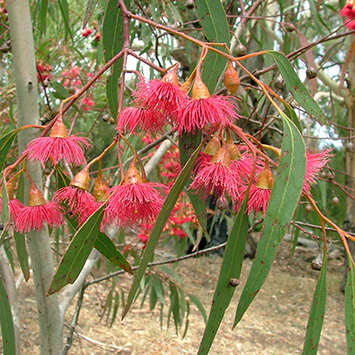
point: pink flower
(87, 32)
(87, 103)
(315, 163)
(196, 114)
(349, 11)
(216, 176)
(37, 213)
(260, 192)
(258, 198)
(133, 203)
(132, 117)
(80, 202)
(164, 96)
(58, 146)
(15, 206)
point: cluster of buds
(88, 32)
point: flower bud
(35, 197)
(172, 77)
(240, 50)
(199, 90)
(222, 157)
(81, 179)
(265, 180)
(59, 129)
(132, 175)
(231, 79)
(213, 146)
(101, 189)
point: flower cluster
(44, 72)
(349, 11)
(161, 102)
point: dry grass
(274, 324)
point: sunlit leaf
(77, 252)
(230, 269)
(350, 309)
(7, 325)
(316, 315)
(5, 146)
(215, 26)
(159, 226)
(283, 201)
(298, 90)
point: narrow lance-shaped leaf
(5, 146)
(350, 309)
(295, 85)
(105, 246)
(77, 252)
(230, 271)
(215, 26)
(5, 213)
(283, 201)
(89, 10)
(7, 325)
(112, 37)
(316, 315)
(159, 225)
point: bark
(349, 224)
(50, 324)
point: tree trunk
(51, 327)
(350, 165)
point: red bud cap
(101, 189)
(132, 175)
(222, 157)
(213, 146)
(199, 90)
(59, 129)
(231, 79)
(172, 77)
(265, 180)
(81, 179)
(35, 198)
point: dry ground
(274, 324)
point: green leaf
(316, 316)
(215, 26)
(230, 269)
(199, 306)
(7, 325)
(115, 308)
(283, 201)
(64, 9)
(112, 37)
(60, 91)
(295, 85)
(350, 309)
(77, 252)
(159, 226)
(5, 146)
(62, 179)
(187, 144)
(290, 112)
(106, 247)
(5, 213)
(89, 10)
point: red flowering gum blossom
(315, 163)
(349, 11)
(87, 32)
(164, 96)
(134, 201)
(37, 213)
(58, 146)
(77, 197)
(147, 120)
(203, 110)
(216, 176)
(259, 194)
